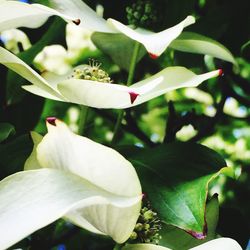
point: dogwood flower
(217, 244)
(16, 14)
(102, 94)
(70, 176)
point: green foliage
(13, 155)
(195, 43)
(6, 130)
(118, 47)
(175, 178)
(185, 241)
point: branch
(131, 126)
(170, 131)
(209, 125)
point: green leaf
(118, 46)
(6, 130)
(14, 154)
(196, 43)
(185, 241)
(54, 34)
(245, 50)
(175, 178)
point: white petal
(30, 200)
(79, 10)
(219, 244)
(167, 80)
(100, 165)
(14, 63)
(14, 14)
(41, 92)
(104, 218)
(95, 94)
(144, 247)
(155, 43)
(106, 95)
(23, 15)
(32, 162)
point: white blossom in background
(53, 58)
(12, 37)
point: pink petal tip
(199, 236)
(51, 120)
(77, 21)
(133, 96)
(153, 56)
(221, 73)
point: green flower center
(147, 227)
(92, 72)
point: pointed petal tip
(153, 56)
(199, 235)
(215, 195)
(51, 120)
(190, 20)
(133, 96)
(221, 72)
(77, 21)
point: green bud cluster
(141, 14)
(92, 72)
(147, 227)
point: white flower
(103, 95)
(217, 244)
(70, 176)
(15, 14)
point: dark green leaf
(14, 154)
(118, 47)
(6, 130)
(196, 43)
(175, 178)
(185, 241)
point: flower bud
(141, 14)
(147, 227)
(92, 72)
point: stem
(117, 246)
(130, 127)
(170, 131)
(129, 81)
(133, 64)
(82, 119)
